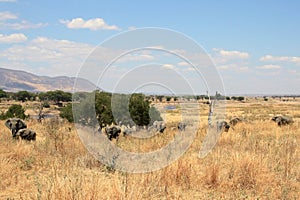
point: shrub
(15, 111)
(139, 109)
(66, 112)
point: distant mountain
(16, 80)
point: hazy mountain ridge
(16, 80)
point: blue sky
(255, 45)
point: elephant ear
(8, 123)
(21, 124)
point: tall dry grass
(256, 160)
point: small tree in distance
(15, 111)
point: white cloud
(92, 24)
(46, 56)
(234, 67)
(184, 64)
(268, 67)
(16, 25)
(225, 57)
(7, 16)
(232, 54)
(168, 66)
(270, 58)
(22, 25)
(13, 38)
(190, 69)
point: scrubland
(255, 160)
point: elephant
(159, 126)
(223, 126)
(15, 124)
(112, 132)
(181, 126)
(127, 130)
(234, 121)
(282, 120)
(26, 134)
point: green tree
(168, 98)
(16, 110)
(24, 96)
(67, 113)
(3, 94)
(112, 108)
(103, 108)
(56, 96)
(160, 98)
(139, 109)
(241, 98)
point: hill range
(17, 80)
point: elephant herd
(19, 128)
(224, 126)
(114, 131)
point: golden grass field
(256, 160)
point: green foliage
(14, 110)
(66, 112)
(55, 96)
(160, 97)
(227, 98)
(240, 98)
(3, 94)
(139, 109)
(24, 96)
(46, 104)
(103, 108)
(106, 108)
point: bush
(66, 112)
(24, 96)
(3, 94)
(139, 109)
(15, 111)
(241, 98)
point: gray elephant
(15, 124)
(19, 129)
(181, 126)
(112, 132)
(159, 126)
(223, 126)
(234, 121)
(26, 134)
(282, 120)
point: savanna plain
(255, 160)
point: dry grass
(256, 160)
